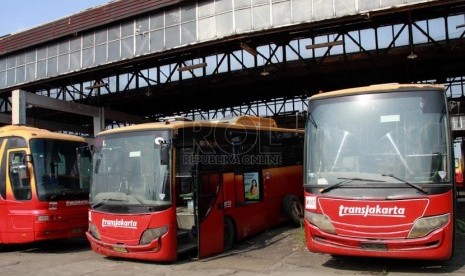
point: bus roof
(240, 122)
(33, 132)
(378, 88)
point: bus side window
(19, 176)
(293, 150)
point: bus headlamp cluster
(321, 221)
(424, 226)
(151, 234)
(94, 231)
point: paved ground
(279, 251)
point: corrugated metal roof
(76, 23)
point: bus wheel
(293, 209)
(229, 233)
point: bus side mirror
(164, 154)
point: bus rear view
(378, 174)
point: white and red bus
(161, 189)
(42, 195)
(379, 173)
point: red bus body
(214, 214)
(383, 235)
(24, 225)
(387, 195)
(124, 241)
(28, 211)
(255, 217)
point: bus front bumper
(50, 233)
(431, 247)
(149, 252)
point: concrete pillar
(99, 121)
(18, 107)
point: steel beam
(22, 98)
(50, 125)
(59, 105)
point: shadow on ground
(52, 247)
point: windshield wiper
(59, 195)
(104, 201)
(346, 180)
(140, 202)
(418, 188)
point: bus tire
(293, 209)
(229, 234)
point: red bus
(165, 188)
(378, 174)
(42, 195)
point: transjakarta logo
(119, 223)
(372, 211)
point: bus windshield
(378, 139)
(56, 171)
(129, 174)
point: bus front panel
(131, 207)
(379, 180)
(45, 196)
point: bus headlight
(153, 233)
(94, 231)
(424, 226)
(321, 221)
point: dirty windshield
(378, 138)
(128, 173)
(56, 171)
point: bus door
(210, 213)
(19, 222)
(459, 154)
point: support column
(99, 121)
(18, 107)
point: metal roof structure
(208, 59)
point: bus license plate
(120, 249)
(373, 246)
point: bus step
(184, 236)
(185, 247)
